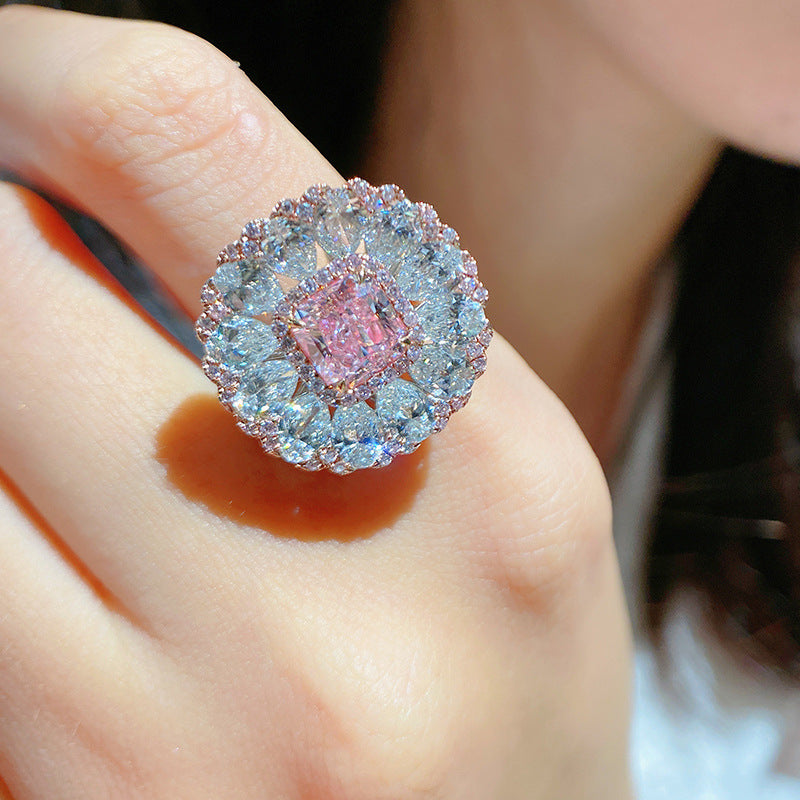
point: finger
(86, 383)
(55, 632)
(149, 128)
(511, 502)
(89, 704)
(76, 421)
(89, 390)
(185, 177)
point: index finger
(151, 130)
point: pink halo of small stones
(345, 328)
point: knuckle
(145, 95)
(419, 760)
(408, 746)
(400, 727)
(548, 527)
(552, 560)
(582, 511)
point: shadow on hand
(213, 463)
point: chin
(733, 68)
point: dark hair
(728, 516)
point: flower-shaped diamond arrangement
(346, 328)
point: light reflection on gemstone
(451, 317)
(393, 233)
(241, 340)
(427, 269)
(349, 322)
(403, 407)
(349, 330)
(339, 223)
(246, 287)
(289, 248)
(303, 426)
(263, 384)
(443, 371)
(357, 435)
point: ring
(346, 328)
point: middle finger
(150, 129)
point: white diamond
(339, 222)
(392, 233)
(357, 435)
(289, 249)
(427, 268)
(247, 285)
(263, 385)
(239, 341)
(451, 318)
(304, 425)
(442, 372)
(406, 409)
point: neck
(564, 173)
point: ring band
(346, 328)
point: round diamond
(403, 407)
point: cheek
(734, 65)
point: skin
(570, 170)
(161, 640)
(169, 631)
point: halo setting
(346, 328)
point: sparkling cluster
(346, 328)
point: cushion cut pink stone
(349, 330)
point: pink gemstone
(349, 330)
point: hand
(182, 616)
